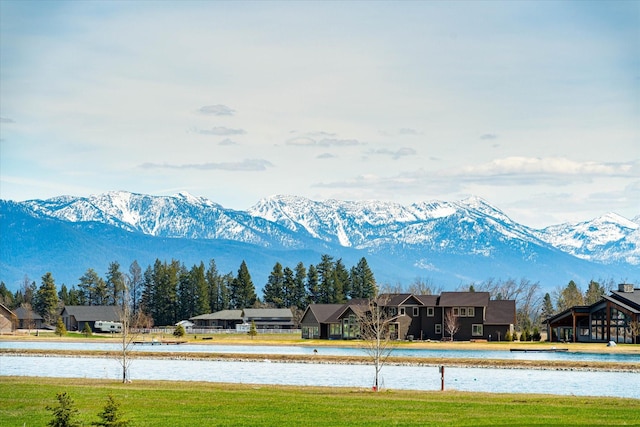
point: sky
(532, 106)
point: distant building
(417, 317)
(28, 319)
(610, 319)
(8, 320)
(74, 317)
(264, 318)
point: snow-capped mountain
(609, 238)
(448, 242)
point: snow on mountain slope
(469, 226)
(179, 216)
(608, 238)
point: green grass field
(23, 402)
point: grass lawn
(162, 403)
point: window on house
(335, 329)
(456, 311)
(392, 311)
(463, 311)
(416, 311)
(430, 311)
(438, 328)
(471, 311)
(402, 311)
(476, 330)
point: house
(28, 319)
(423, 317)
(269, 318)
(8, 320)
(610, 319)
(314, 323)
(223, 319)
(74, 317)
(264, 318)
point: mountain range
(445, 243)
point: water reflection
(312, 374)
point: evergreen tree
(547, 307)
(243, 292)
(63, 295)
(114, 285)
(147, 294)
(313, 288)
(325, 280)
(274, 289)
(341, 286)
(64, 413)
(570, 296)
(203, 302)
(179, 331)
(6, 297)
(595, 292)
(74, 296)
(86, 331)
(299, 292)
(111, 415)
(186, 294)
(136, 281)
(363, 283)
(61, 330)
(253, 331)
(289, 288)
(89, 288)
(47, 299)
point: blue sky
(533, 106)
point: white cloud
(247, 165)
(216, 110)
(221, 131)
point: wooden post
(441, 378)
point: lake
(266, 372)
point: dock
(540, 350)
(156, 342)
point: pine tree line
(167, 292)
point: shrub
(64, 413)
(110, 415)
(179, 331)
(86, 331)
(535, 336)
(60, 328)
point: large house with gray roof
(264, 318)
(615, 317)
(420, 317)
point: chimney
(625, 287)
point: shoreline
(557, 365)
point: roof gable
(88, 313)
(262, 313)
(501, 312)
(321, 312)
(468, 299)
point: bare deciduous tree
(127, 320)
(634, 330)
(451, 323)
(377, 330)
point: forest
(167, 292)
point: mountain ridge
(448, 241)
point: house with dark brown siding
(419, 317)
